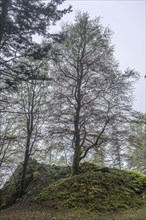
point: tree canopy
(20, 21)
(84, 112)
(93, 93)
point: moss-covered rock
(37, 177)
(97, 189)
(94, 188)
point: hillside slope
(97, 189)
(93, 190)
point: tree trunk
(76, 161)
(3, 18)
(24, 168)
(77, 148)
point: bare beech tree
(8, 146)
(92, 92)
(20, 21)
(30, 108)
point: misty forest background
(64, 100)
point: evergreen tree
(20, 21)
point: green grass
(41, 212)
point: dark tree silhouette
(20, 20)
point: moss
(94, 188)
(37, 177)
(97, 190)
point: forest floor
(32, 211)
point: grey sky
(126, 18)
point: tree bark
(77, 147)
(3, 18)
(24, 169)
(76, 162)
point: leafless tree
(30, 107)
(91, 92)
(8, 147)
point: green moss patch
(97, 189)
(94, 188)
